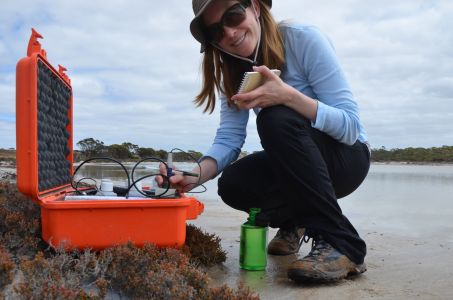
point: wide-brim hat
(196, 26)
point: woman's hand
(276, 92)
(273, 92)
(206, 170)
(178, 181)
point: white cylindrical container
(106, 188)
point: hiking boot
(323, 263)
(286, 241)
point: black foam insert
(54, 169)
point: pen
(185, 173)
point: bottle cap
(106, 188)
(252, 215)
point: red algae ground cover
(30, 269)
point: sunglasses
(232, 17)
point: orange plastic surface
(27, 119)
(95, 224)
(99, 224)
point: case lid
(43, 124)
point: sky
(135, 68)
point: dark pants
(298, 178)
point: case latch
(61, 71)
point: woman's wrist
(303, 104)
(189, 183)
(292, 96)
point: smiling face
(241, 39)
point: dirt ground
(399, 266)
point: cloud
(135, 67)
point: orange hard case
(94, 224)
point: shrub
(204, 248)
(151, 272)
(59, 277)
(137, 273)
(156, 273)
(6, 267)
(226, 293)
(20, 226)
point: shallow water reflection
(117, 174)
(407, 199)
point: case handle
(194, 209)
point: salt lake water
(411, 199)
(414, 200)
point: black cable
(85, 178)
(141, 178)
(199, 192)
(141, 192)
(98, 158)
(129, 185)
(199, 168)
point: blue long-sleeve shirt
(311, 67)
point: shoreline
(12, 164)
(415, 163)
(8, 167)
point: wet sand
(400, 265)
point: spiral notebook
(252, 80)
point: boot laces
(318, 244)
(318, 247)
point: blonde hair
(223, 72)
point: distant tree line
(434, 154)
(91, 147)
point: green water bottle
(253, 248)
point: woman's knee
(222, 184)
(271, 117)
(280, 124)
(228, 188)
